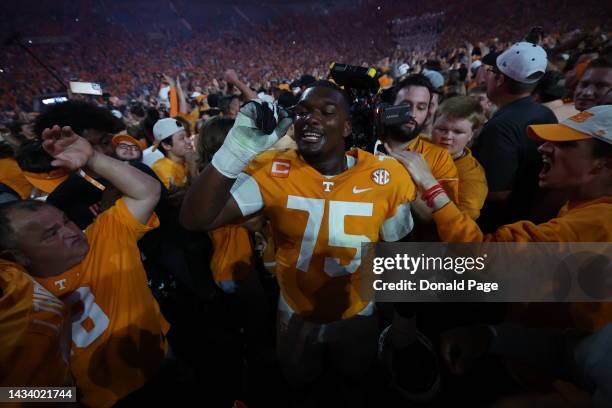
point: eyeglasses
(124, 146)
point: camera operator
(416, 92)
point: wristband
(425, 195)
(431, 198)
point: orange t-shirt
(319, 223)
(170, 172)
(589, 221)
(473, 187)
(34, 332)
(12, 176)
(118, 331)
(232, 258)
(441, 164)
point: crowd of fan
(127, 63)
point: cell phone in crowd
(87, 88)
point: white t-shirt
(149, 156)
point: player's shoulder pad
(381, 160)
(266, 159)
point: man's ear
(500, 79)
(15, 255)
(166, 146)
(347, 128)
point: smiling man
(323, 203)
(417, 93)
(594, 84)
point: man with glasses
(509, 157)
(126, 148)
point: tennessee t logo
(328, 185)
(61, 284)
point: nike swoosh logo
(360, 190)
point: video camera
(369, 114)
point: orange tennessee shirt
(12, 176)
(34, 332)
(232, 257)
(472, 185)
(319, 223)
(589, 221)
(171, 172)
(118, 331)
(441, 164)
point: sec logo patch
(381, 176)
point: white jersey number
(81, 336)
(338, 210)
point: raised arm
(232, 78)
(182, 99)
(208, 203)
(140, 191)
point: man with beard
(323, 203)
(417, 92)
(126, 148)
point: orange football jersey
(34, 332)
(118, 332)
(320, 222)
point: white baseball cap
(403, 69)
(475, 65)
(593, 123)
(436, 78)
(524, 62)
(165, 128)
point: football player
(323, 204)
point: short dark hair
(79, 116)
(7, 233)
(323, 83)
(414, 80)
(33, 158)
(212, 135)
(286, 99)
(15, 128)
(149, 121)
(516, 87)
(548, 88)
(167, 141)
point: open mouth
(546, 166)
(312, 135)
